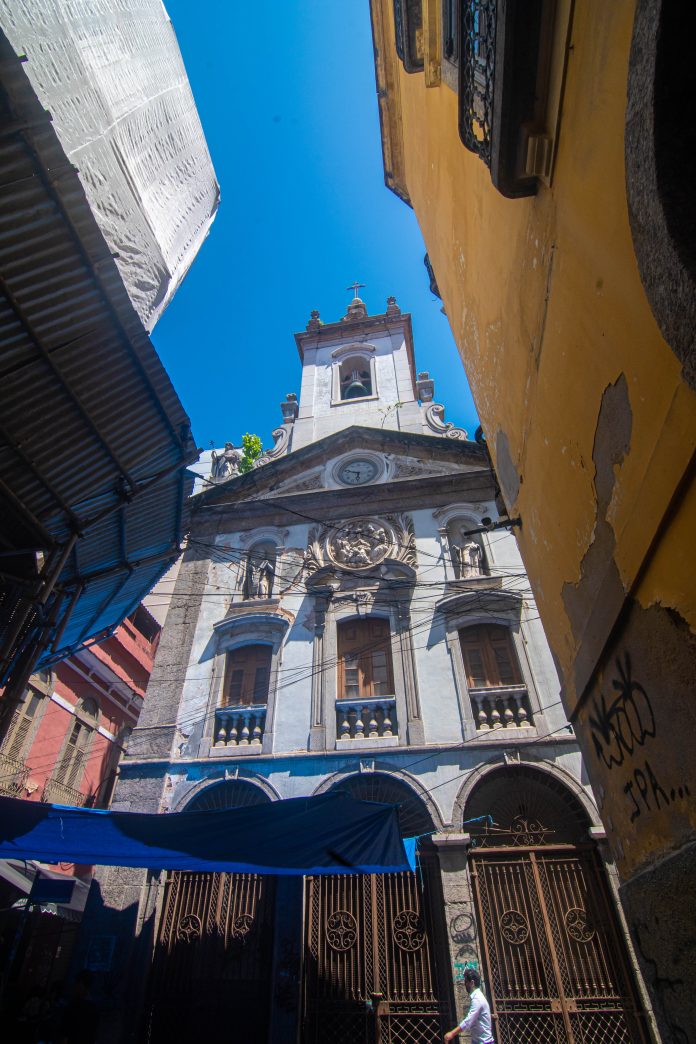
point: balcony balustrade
(57, 793)
(373, 718)
(501, 707)
(13, 775)
(239, 726)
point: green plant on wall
(251, 449)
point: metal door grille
(369, 966)
(212, 961)
(556, 964)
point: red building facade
(63, 746)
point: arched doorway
(211, 969)
(371, 942)
(554, 957)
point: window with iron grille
(364, 659)
(247, 676)
(503, 52)
(408, 28)
(489, 656)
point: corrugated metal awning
(93, 438)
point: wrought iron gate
(554, 958)
(369, 975)
(211, 969)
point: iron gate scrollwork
(382, 986)
(210, 977)
(555, 964)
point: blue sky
(286, 94)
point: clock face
(357, 472)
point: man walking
(478, 1018)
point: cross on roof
(355, 287)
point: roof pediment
(407, 457)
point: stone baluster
(387, 723)
(232, 734)
(244, 735)
(496, 723)
(372, 726)
(359, 726)
(344, 727)
(481, 716)
(523, 721)
(508, 715)
(258, 731)
(221, 731)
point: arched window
(247, 676)
(364, 659)
(355, 378)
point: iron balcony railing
(13, 775)
(57, 793)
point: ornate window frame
(367, 353)
(239, 628)
(476, 608)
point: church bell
(356, 388)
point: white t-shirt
(478, 1019)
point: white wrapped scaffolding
(111, 74)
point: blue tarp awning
(329, 834)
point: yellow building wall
(566, 363)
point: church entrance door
(211, 973)
(369, 970)
(555, 962)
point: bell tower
(357, 371)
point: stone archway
(550, 942)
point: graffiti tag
(621, 724)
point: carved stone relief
(362, 543)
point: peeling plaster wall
(589, 414)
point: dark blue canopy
(329, 834)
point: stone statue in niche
(467, 559)
(265, 580)
(251, 580)
(226, 464)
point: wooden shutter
(71, 761)
(364, 659)
(489, 656)
(247, 676)
(20, 725)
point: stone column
(318, 725)
(460, 916)
(416, 733)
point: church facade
(353, 614)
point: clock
(357, 472)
